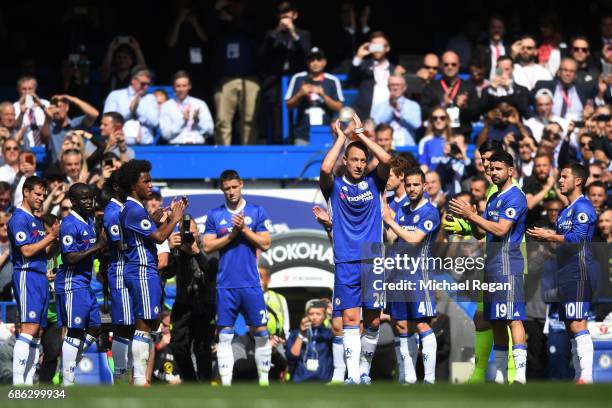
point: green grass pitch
(382, 395)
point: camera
(454, 149)
(187, 237)
(196, 283)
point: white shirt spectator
(173, 126)
(36, 116)
(527, 76)
(141, 128)
(381, 79)
(404, 121)
(537, 125)
(7, 174)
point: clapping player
(416, 223)
(355, 200)
(238, 229)
(75, 299)
(30, 247)
(574, 230)
(140, 276)
(504, 226)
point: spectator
(596, 172)
(544, 115)
(453, 167)
(315, 94)
(237, 86)
(478, 188)
(276, 305)
(283, 52)
(309, 347)
(437, 135)
(122, 56)
(27, 168)
(161, 96)
(353, 32)
(569, 97)
(433, 188)
(6, 204)
(540, 186)
(65, 207)
(558, 144)
(10, 152)
(162, 363)
(549, 54)
(424, 75)
(588, 73)
(57, 188)
(527, 72)
(451, 93)
(383, 136)
(138, 109)
(30, 115)
(185, 119)
(186, 43)
(402, 114)
(478, 78)
(526, 151)
(6, 266)
(111, 129)
(493, 46)
(501, 123)
(58, 124)
(604, 226)
(370, 72)
(503, 89)
(74, 167)
(9, 128)
(596, 192)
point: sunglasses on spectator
(430, 67)
(585, 145)
(450, 64)
(143, 83)
(580, 49)
(528, 48)
(435, 118)
(9, 149)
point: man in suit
(283, 52)
(503, 89)
(370, 72)
(588, 73)
(450, 92)
(569, 97)
(493, 45)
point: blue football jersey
(504, 255)
(355, 211)
(24, 229)
(140, 256)
(113, 235)
(396, 203)
(238, 261)
(425, 218)
(577, 223)
(76, 235)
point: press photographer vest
(276, 314)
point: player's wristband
(359, 130)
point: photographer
(454, 166)
(501, 122)
(309, 348)
(193, 310)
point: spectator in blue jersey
(76, 302)
(431, 146)
(29, 244)
(141, 275)
(575, 228)
(139, 110)
(237, 230)
(315, 94)
(310, 347)
(401, 113)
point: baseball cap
(315, 53)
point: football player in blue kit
(355, 202)
(395, 183)
(416, 224)
(30, 247)
(140, 273)
(574, 231)
(122, 315)
(76, 301)
(237, 229)
(503, 223)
